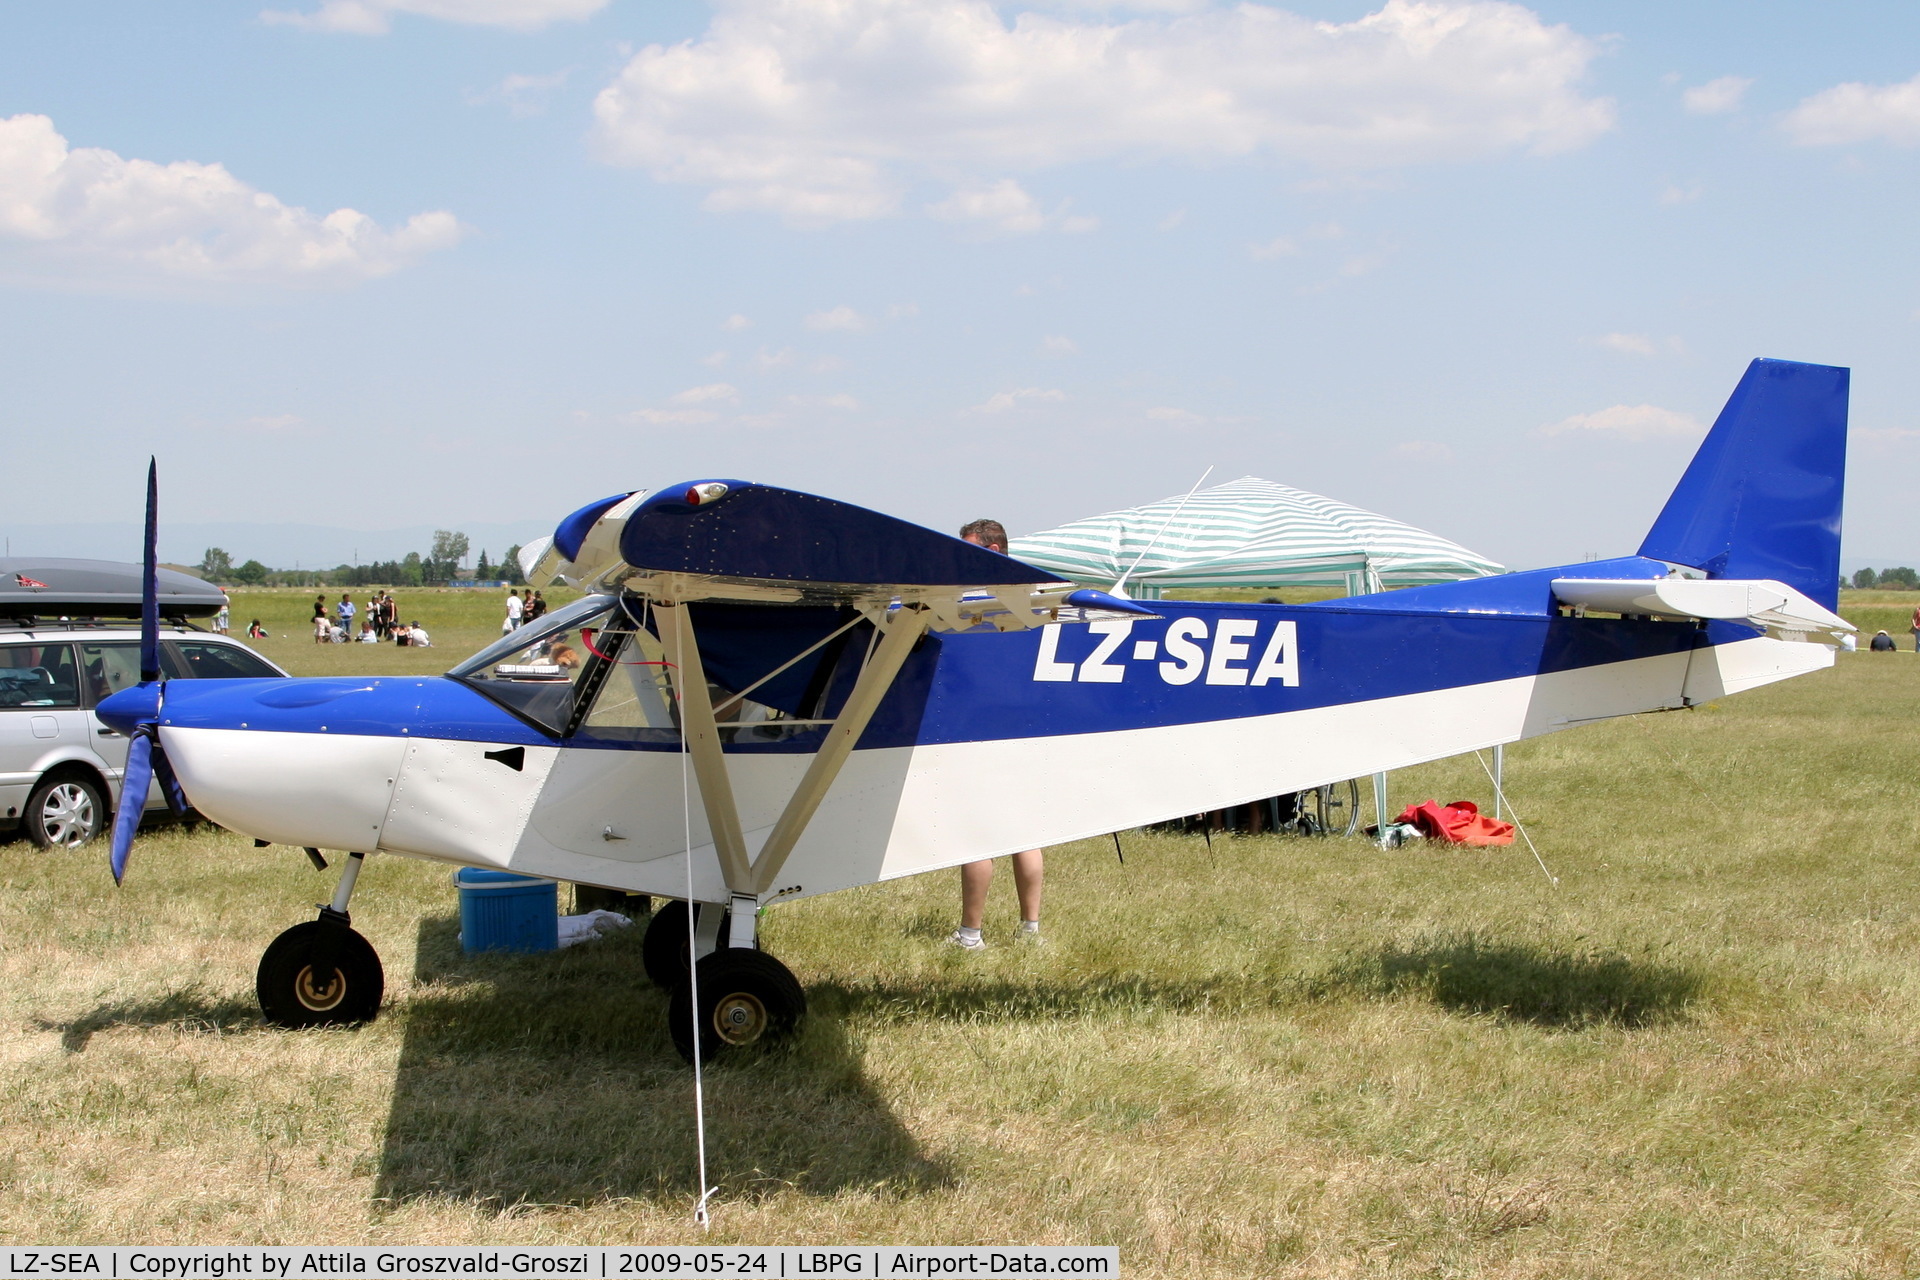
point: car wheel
(65, 812)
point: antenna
(1119, 584)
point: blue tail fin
(1761, 499)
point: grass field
(1697, 1055)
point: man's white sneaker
(967, 942)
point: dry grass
(1695, 1056)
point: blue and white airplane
(858, 698)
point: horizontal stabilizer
(1773, 606)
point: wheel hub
(319, 992)
(68, 815)
(739, 1018)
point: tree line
(1901, 579)
(439, 566)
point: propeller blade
(169, 782)
(150, 581)
(133, 798)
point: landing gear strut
(747, 998)
(321, 973)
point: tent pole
(1380, 808)
(1499, 779)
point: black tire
(66, 811)
(663, 951)
(346, 990)
(748, 1000)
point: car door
(41, 720)
(107, 667)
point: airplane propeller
(138, 715)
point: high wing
(737, 541)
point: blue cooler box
(501, 911)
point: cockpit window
(535, 669)
(587, 669)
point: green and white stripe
(1249, 533)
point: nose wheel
(320, 974)
(746, 1000)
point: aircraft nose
(126, 709)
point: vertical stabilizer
(1761, 499)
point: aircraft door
(613, 792)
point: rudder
(1762, 497)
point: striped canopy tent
(1249, 533)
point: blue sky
(1487, 268)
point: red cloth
(1458, 823)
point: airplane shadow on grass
(550, 1079)
(188, 1009)
(1559, 990)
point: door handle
(108, 733)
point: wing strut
(748, 877)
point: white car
(60, 767)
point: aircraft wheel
(748, 999)
(319, 974)
(663, 951)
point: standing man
(345, 610)
(1915, 628)
(515, 611)
(1029, 868)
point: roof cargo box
(45, 587)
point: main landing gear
(739, 996)
(322, 973)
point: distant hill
(278, 546)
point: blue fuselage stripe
(1197, 663)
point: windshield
(586, 669)
(534, 670)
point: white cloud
(1854, 112)
(1422, 451)
(375, 17)
(1716, 96)
(186, 220)
(1005, 206)
(274, 424)
(1676, 194)
(525, 95)
(1628, 422)
(821, 112)
(735, 323)
(1278, 247)
(712, 391)
(670, 417)
(1640, 344)
(1632, 344)
(771, 360)
(1055, 344)
(715, 361)
(1175, 417)
(903, 310)
(1172, 220)
(1005, 400)
(842, 319)
(838, 400)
